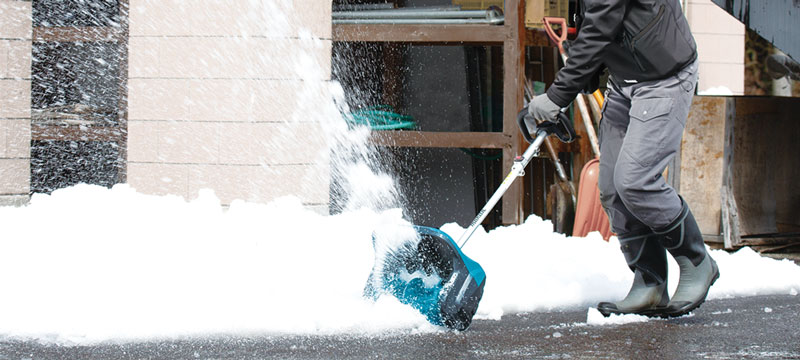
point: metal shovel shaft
(517, 170)
(566, 185)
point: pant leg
(612, 131)
(658, 114)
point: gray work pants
(640, 133)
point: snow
(716, 91)
(568, 272)
(119, 264)
(594, 317)
(89, 264)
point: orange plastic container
(589, 213)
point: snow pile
(716, 91)
(746, 273)
(594, 317)
(88, 264)
(530, 268)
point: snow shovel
(562, 196)
(430, 272)
(589, 213)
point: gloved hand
(541, 108)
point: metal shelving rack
(513, 36)
(119, 34)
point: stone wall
(15, 101)
(222, 96)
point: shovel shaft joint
(517, 170)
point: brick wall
(720, 46)
(15, 101)
(222, 96)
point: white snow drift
(88, 264)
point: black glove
(559, 126)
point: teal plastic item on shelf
(380, 117)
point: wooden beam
(702, 163)
(76, 133)
(440, 34)
(455, 34)
(472, 140)
(513, 73)
(74, 34)
(728, 207)
(776, 240)
(536, 37)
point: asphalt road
(740, 328)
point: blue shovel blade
(433, 276)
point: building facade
(203, 94)
(200, 94)
(15, 101)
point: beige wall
(720, 46)
(15, 101)
(220, 94)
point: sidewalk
(748, 327)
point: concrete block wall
(720, 46)
(222, 95)
(15, 101)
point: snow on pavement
(89, 264)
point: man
(651, 56)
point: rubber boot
(648, 294)
(699, 271)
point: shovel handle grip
(523, 127)
(557, 39)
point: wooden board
(72, 34)
(513, 73)
(435, 34)
(702, 151)
(457, 34)
(77, 133)
(760, 193)
(753, 168)
(787, 166)
(427, 139)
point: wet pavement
(740, 328)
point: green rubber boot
(648, 294)
(699, 271)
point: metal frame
(513, 37)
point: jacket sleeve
(601, 25)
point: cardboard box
(535, 10)
(478, 4)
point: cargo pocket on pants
(644, 140)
